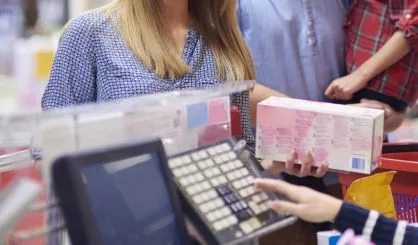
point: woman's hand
(393, 119)
(299, 170)
(345, 87)
(307, 204)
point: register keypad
(221, 188)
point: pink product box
(348, 138)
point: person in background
(137, 47)
(298, 48)
(313, 206)
(30, 11)
(381, 55)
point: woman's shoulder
(86, 25)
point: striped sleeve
(375, 227)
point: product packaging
(348, 138)
(328, 237)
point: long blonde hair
(142, 26)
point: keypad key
(192, 179)
(178, 172)
(218, 203)
(238, 163)
(232, 155)
(224, 157)
(199, 177)
(215, 171)
(173, 163)
(208, 173)
(193, 168)
(211, 205)
(229, 199)
(239, 205)
(186, 159)
(212, 151)
(231, 165)
(255, 208)
(224, 223)
(225, 147)
(211, 217)
(232, 220)
(266, 205)
(218, 226)
(237, 174)
(263, 196)
(203, 154)
(235, 208)
(244, 193)
(198, 188)
(231, 176)
(224, 168)
(225, 211)
(223, 190)
(251, 190)
(222, 179)
(245, 227)
(212, 194)
(205, 185)
(244, 215)
(244, 172)
(256, 198)
(217, 214)
(210, 163)
(198, 199)
(204, 197)
(204, 208)
(202, 165)
(195, 156)
(220, 149)
(191, 190)
(233, 197)
(184, 181)
(250, 180)
(237, 184)
(185, 170)
(244, 204)
(254, 223)
(215, 182)
(218, 160)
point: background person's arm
(394, 50)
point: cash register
(134, 194)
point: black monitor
(120, 196)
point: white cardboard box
(348, 138)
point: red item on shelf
(31, 220)
(236, 123)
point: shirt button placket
(311, 34)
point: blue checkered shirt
(93, 64)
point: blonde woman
(137, 47)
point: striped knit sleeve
(377, 228)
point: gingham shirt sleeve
(404, 14)
(72, 79)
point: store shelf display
(183, 119)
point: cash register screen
(130, 202)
